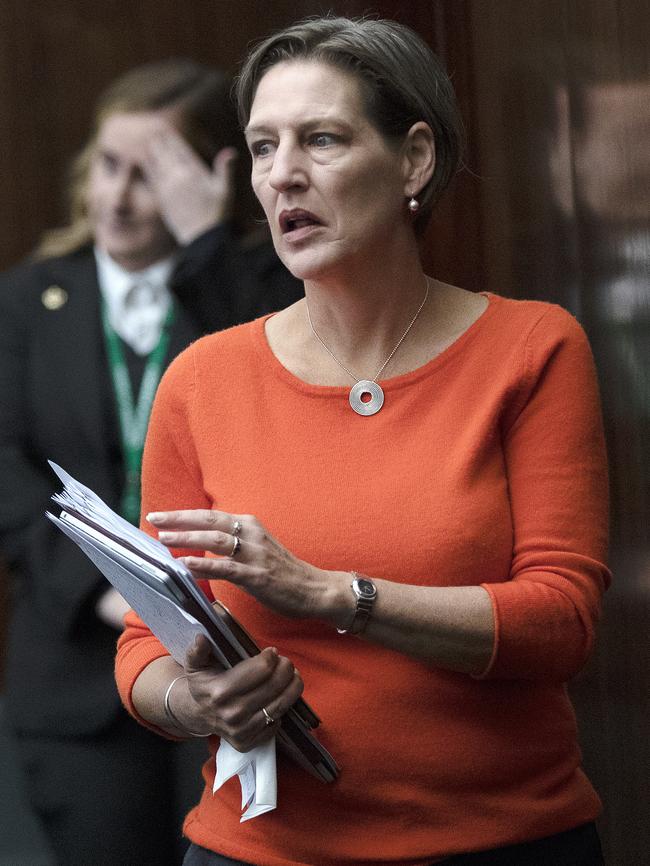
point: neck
(362, 318)
(136, 263)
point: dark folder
(163, 592)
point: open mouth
(294, 220)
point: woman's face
(123, 209)
(332, 188)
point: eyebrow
(107, 151)
(264, 129)
(256, 130)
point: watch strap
(363, 608)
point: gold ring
(268, 717)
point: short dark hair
(402, 82)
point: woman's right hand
(229, 703)
(192, 196)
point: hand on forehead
(132, 135)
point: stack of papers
(163, 592)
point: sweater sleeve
(171, 479)
(546, 612)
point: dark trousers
(116, 797)
(577, 847)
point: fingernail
(274, 650)
(155, 516)
(165, 536)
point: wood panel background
(560, 94)
(552, 205)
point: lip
(120, 226)
(297, 224)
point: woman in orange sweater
(426, 546)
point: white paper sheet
(257, 775)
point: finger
(168, 159)
(254, 733)
(251, 737)
(209, 567)
(159, 158)
(224, 180)
(178, 146)
(248, 676)
(228, 690)
(249, 723)
(198, 518)
(199, 655)
(247, 575)
(267, 720)
(223, 165)
(150, 166)
(279, 692)
(214, 541)
(242, 712)
(168, 144)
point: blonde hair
(208, 122)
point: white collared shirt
(137, 302)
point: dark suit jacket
(56, 403)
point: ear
(419, 158)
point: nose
(121, 188)
(289, 167)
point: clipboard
(164, 593)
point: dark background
(553, 205)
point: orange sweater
(485, 466)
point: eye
(260, 149)
(322, 139)
(109, 162)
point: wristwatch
(365, 593)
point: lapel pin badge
(54, 297)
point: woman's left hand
(251, 558)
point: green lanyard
(134, 416)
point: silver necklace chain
(385, 364)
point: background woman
(446, 444)
(153, 257)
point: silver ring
(235, 547)
(236, 528)
(268, 717)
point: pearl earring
(413, 205)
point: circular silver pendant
(373, 394)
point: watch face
(366, 588)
